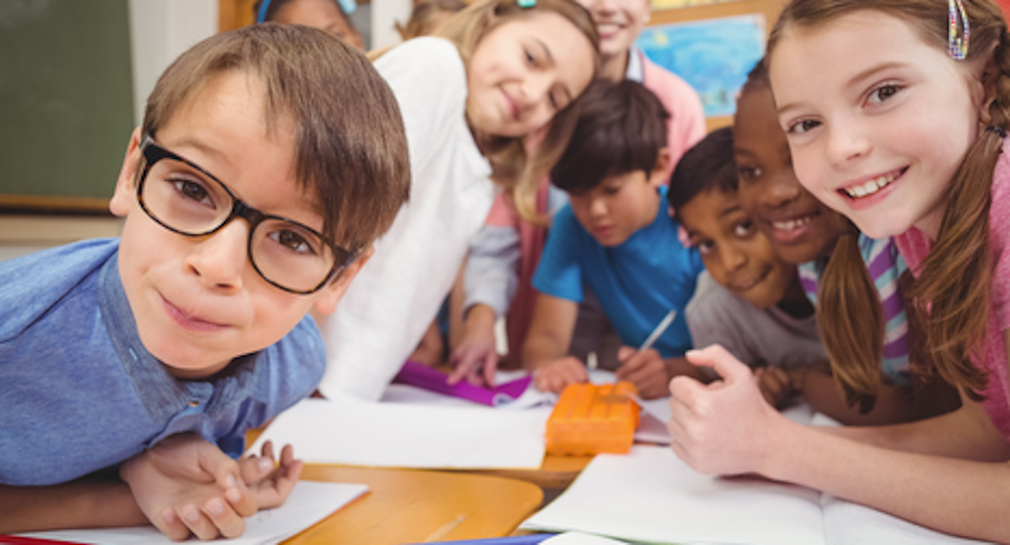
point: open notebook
(309, 503)
(649, 495)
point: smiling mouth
(511, 106)
(792, 224)
(872, 186)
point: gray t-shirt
(754, 335)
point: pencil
(660, 329)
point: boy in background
(615, 237)
(749, 300)
(269, 160)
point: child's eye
(803, 126)
(749, 173)
(555, 103)
(293, 241)
(704, 246)
(530, 59)
(743, 229)
(611, 189)
(882, 93)
(193, 191)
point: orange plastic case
(590, 419)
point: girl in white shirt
(499, 70)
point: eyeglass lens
(186, 200)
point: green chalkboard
(66, 99)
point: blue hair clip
(348, 6)
(262, 14)
(526, 3)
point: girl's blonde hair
(513, 169)
(425, 15)
(951, 296)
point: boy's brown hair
(351, 148)
(621, 128)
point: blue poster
(712, 55)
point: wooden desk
(412, 506)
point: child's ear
(657, 177)
(123, 197)
(330, 295)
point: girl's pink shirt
(914, 246)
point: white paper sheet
(579, 538)
(650, 495)
(345, 430)
(309, 503)
(848, 523)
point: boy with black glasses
(269, 160)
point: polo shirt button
(194, 404)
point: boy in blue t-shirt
(269, 160)
(616, 238)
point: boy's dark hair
(621, 128)
(707, 166)
(351, 148)
(757, 78)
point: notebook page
(650, 495)
(309, 503)
(848, 523)
(345, 430)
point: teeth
(790, 225)
(870, 187)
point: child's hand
(270, 485)
(559, 373)
(646, 370)
(476, 357)
(775, 384)
(185, 484)
(725, 427)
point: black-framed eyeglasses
(186, 199)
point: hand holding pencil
(644, 367)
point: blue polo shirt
(79, 392)
(637, 282)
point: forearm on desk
(952, 495)
(893, 405)
(90, 502)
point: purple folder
(422, 376)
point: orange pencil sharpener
(590, 419)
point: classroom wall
(159, 31)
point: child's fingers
(490, 367)
(287, 455)
(719, 359)
(462, 365)
(198, 523)
(625, 352)
(268, 450)
(228, 523)
(170, 525)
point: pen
(656, 333)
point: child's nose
(220, 258)
(845, 143)
(732, 258)
(780, 190)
